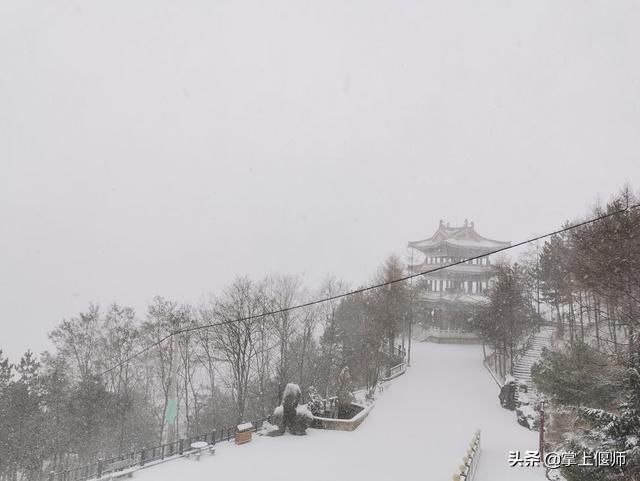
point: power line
(371, 287)
(136, 354)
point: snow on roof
(476, 243)
(464, 236)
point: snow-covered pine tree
(315, 403)
(610, 431)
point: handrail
(493, 375)
(467, 470)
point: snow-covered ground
(419, 430)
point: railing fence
(140, 458)
(467, 470)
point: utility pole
(171, 414)
(538, 278)
(410, 311)
(541, 440)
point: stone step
(523, 366)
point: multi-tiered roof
(453, 244)
(458, 242)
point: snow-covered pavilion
(447, 295)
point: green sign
(171, 412)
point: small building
(448, 296)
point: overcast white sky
(163, 147)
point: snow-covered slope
(419, 430)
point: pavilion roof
(463, 237)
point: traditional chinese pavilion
(449, 295)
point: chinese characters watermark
(554, 460)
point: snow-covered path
(419, 430)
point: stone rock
(507, 396)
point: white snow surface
(419, 430)
(303, 410)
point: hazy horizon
(155, 148)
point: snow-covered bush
(289, 415)
(290, 400)
(278, 416)
(302, 421)
(291, 391)
(268, 429)
(316, 403)
(344, 394)
(527, 416)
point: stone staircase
(522, 367)
(525, 400)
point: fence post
(162, 451)
(51, 475)
(213, 437)
(142, 456)
(181, 447)
(99, 468)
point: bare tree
(236, 336)
(283, 292)
(75, 340)
(163, 318)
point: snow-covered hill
(419, 430)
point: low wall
(395, 371)
(446, 336)
(343, 424)
(454, 338)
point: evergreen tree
(611, 431)
(555, 276)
